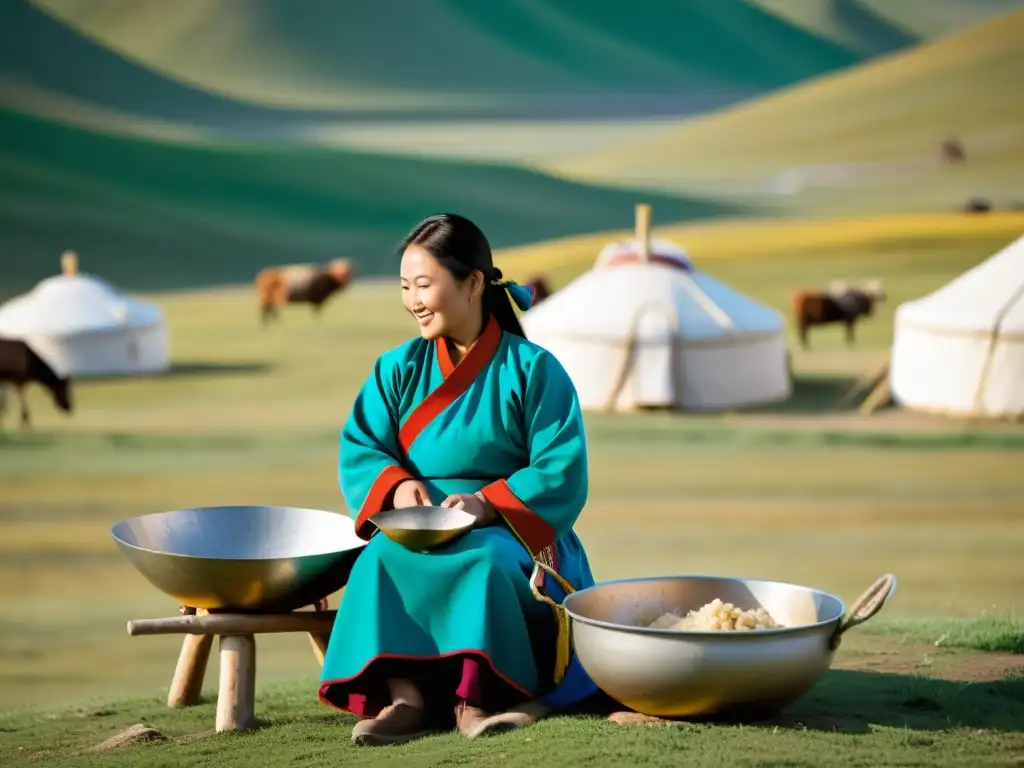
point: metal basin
(681, 674)
(424, 528)
(242, 558)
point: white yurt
(82, 326)
(646, 329)
(960, 350)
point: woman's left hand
(477, 506)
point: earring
(471, 301)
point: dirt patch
(137, 734)
(892, 656)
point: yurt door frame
(630, 358)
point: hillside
(880, 26)
(392, 57)
(936, 18)
(878, 126)
(152, 215)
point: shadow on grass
(814, 393)
(852, 701)
(191, 369)
(196, 369)
(849, 701)
(187, 369)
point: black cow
(20, 365)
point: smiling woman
(469, 415)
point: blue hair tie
(521, 295)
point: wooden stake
(236, 694)
(643, 230)
(69, 263)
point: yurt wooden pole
(643, 230)
(69, 263)
(990, 352)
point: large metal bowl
(684, 674)
(242, 558)
(422, 529)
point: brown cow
(20, 365)
(841, 303)
(301, 284)
(541, 289)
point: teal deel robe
(506, 422)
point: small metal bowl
(422, 529)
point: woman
(470, 415)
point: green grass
(806, 494)
(851, 718)
(866, 139)
(999, 634)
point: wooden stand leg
(187, 684)
(319, 642)
(236, 695)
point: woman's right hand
(411, 493)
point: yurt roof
(991, 293)
(629, 251)
(607, 302)
(71, 304)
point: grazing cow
(841, 303)
(541, 289)
(977, 205)
(953, 151)
(301, 284)
(19, 365)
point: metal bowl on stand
(242, 558)
(677, 674)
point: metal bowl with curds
(702, 674)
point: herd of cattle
(314, 284)
(839, 304)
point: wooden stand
(236, 692)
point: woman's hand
(476, 505)
(411, 493)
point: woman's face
(442, 305)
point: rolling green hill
(874, 130)
(393, 56)
(150, 215)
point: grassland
(251, 415)
(866, 139)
